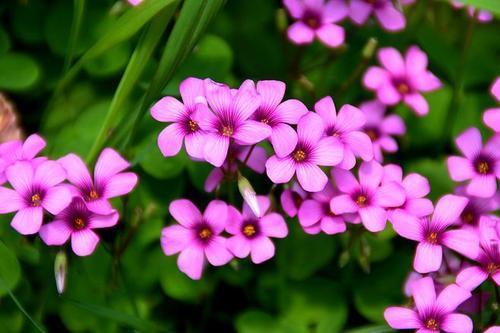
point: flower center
(193, 125)
(432, 237)
(264, 121)
(468, 217)
(299, 155)
(227, 130)
(372, 134)
(79, 223)
(205, 233)
(36, 200)
(432, 324)
(361, 200)
(483, 167)
(492, 267)
(93, 195)
(249, 230)
(403, 88)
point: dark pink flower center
(402, 86)
(312, 19)
(483, 167)
(373, 133)
(250, 229)
(492, 267)
(192, 126)
(468, 217)
(36, 200)
(432, 237)
(227, 130)
(299, 155)
(361, 200)
(205, 233)
(79, 223)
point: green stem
(147, 44)
(78, 10)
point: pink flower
(380, 129)
(493, 329)
(432, 314)
(109, 180)
(135, 2)
(476, 208)
(291, 199)
(481, 165)
(251, 234)
(77, 221)
(184, 121)
(256, 161)
(491, 117)
(315, 18)
(35, 189)
(368, 197)
(346, 126)
(278, 114)
(196, 236)
(17, 150)
(230, 119)
(315, 214)
(488, 258)
(416, 187)
(387, 15)
(432, 233)
(402, 80)
(482, 16)
(309, 150)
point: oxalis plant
(252, 166)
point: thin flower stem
(245, 161)
(458, 88)
(78, 10)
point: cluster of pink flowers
(35, 189)
(459, 242)
(318, 18)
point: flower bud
(60, 271)
(369, 48)
(248, 194)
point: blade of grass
(491, 5)
(193, 20)
(147, 44)
(119, 317)
(78, 10)
(38, 327)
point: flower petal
(109, 164)
(216, 148)
(216, 215)
(251, 132)
(370, 174)
(84, 242)
(451, 297)
(424, 294)
(170, 139)
(213, 179)
(274, 225)
(311, 177)
(191, 262)
(457, 322)
(359, 11)
(284, 139)
(216, 252)
(55, 233)
(391, 59)
(10, 201)
(174, 239)
(239, 246)
(376, 77)
(310, 128)
(280, 170)
(406, 225)
(343, 204)
(192, 91)
(416, 186)
(462, 241)
(76, 171)
(389, 195)
(20, 176)
(120, 184)
(28, 221)
(345, 180)
(328, 151)
(393, 125)
(373, 218)
(185, 212)
(168, 109)
(290, 111)
(32, 146)
(483, 186)
(419, 207)
(388, 95)
(333, 225)
(470, 142)
(448, 210)
(262, 249)
(56, 199)
(471, 277)
(390, 18)
(299, 33)
(271, 93)
(417, 103)
(428, 258)
(459, 168)
(331, 35)
(401, 318)
(360, 144)
(310, 212)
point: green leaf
(4, 41)
(491, 5)
(19, 71)
(315, 252)
(10, 271)
(254, 321)
(110, 62)
(314, 305)
(119, 317)
(27, 18)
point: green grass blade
(491, 5)
(147, 44)
(78, 10)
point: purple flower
(488, 258)
(491, 117)
(109, 180)
(77, 221)
(17, 150)
(387, 15)
(380, 129)
(251, 234)
(476, 208)
(230, 119)
(482, 16)
(368, 197)
(315, 214)
(184, 125)
(309, 150)
(432, 314)
(35, 189)
(256, 161)
(481, 165)
(402, 79)
(347, 127)
(493, 329)
(315, 18)
(196, 236)
(432, 233)
(416, 187)
(278, 114)
(291, 199)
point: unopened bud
(248, 194)
(369, 49)
(60, 271)
(281, 21)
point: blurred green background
(315, 283)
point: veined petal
(462, 241)
(168, 109)
(120, 184)
(401, 318)
(311, 177)
(271, 93)
(28, 221)
(84, 242)
(239, 246)
(76, 170)
(424, 294)
(175, 238)
(310, 128)
(471, 277)
(389, 195)
(20, 176)
(328, 151)
(451, 297)
(251, 132)
(459, 168)
(483, 186)
(191, 262)
(262, 249)
(274, 225)
(470, 142)
(457, 322)
(310, 212)
(216, 215)
(448, 210)
(343, 204)
(216, 252)
(331, 35)
(55, 233)
(109, 164)
(300, 33)
(290, 111)
(345, 180)
(360, 144)
(10, 201)
(32, 146)
(216, 148)
(284, 139)
(370, 174)
(407, 225)
(428, 258)
(280, 170)
(56, 199)
(185, 212)
(192, 91)
(373, 218)
(170, 139)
